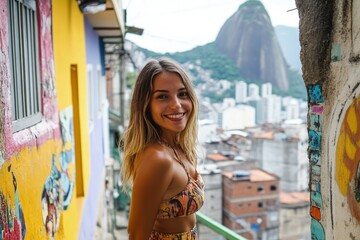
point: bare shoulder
(154, 156)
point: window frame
(23, 48)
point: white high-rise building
(292, 109)
(238, 117)
(241, 91)
(266, 89)
(253, 92)
(269, 109)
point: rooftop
(294, 198)
(254, 175)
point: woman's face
(170, 104)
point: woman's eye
(183, 94)
(161, 97)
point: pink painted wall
(49, 126)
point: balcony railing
(217, 227)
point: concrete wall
(213, 203)
(330, 54)
(295, 222)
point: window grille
(24, 64)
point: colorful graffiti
(347, 173)
(51, 200)
(67, 155)
(12, 222)
(316, 101)
(59, 185)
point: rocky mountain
(249, 39)
(246, 49)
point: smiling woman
(159, 154)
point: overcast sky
(180, 25)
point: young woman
(159, 154)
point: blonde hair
(142, 129)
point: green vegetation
(221, 67)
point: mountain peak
(248, 38)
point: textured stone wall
(330, 54)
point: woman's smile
(175, 117)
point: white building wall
(292, 109)
(266, 89)
(253, 92)
(285, 158)
(207, 130)
(238, 117)
(241, 92)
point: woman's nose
(175, 103)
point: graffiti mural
(59, 185)
(347, 173)
(67, 156)
(51, 200)
(343, 150)
(12, 222)
(316, 101)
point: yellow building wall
(69, 48)
(22, 187)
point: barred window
(24, 63)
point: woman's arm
(154, 174)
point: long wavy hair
(142, 130)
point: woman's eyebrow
(165, 91)
(160, 90)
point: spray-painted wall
(330, 54)
(37, 173)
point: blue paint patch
(314, 140)
(67, 156)
(316, 122)
(315, 187)
(315, 94)
(316, 199)
(315, 157)
(317, 230)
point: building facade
(251, 203)
(284, 154)
(50, 170)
